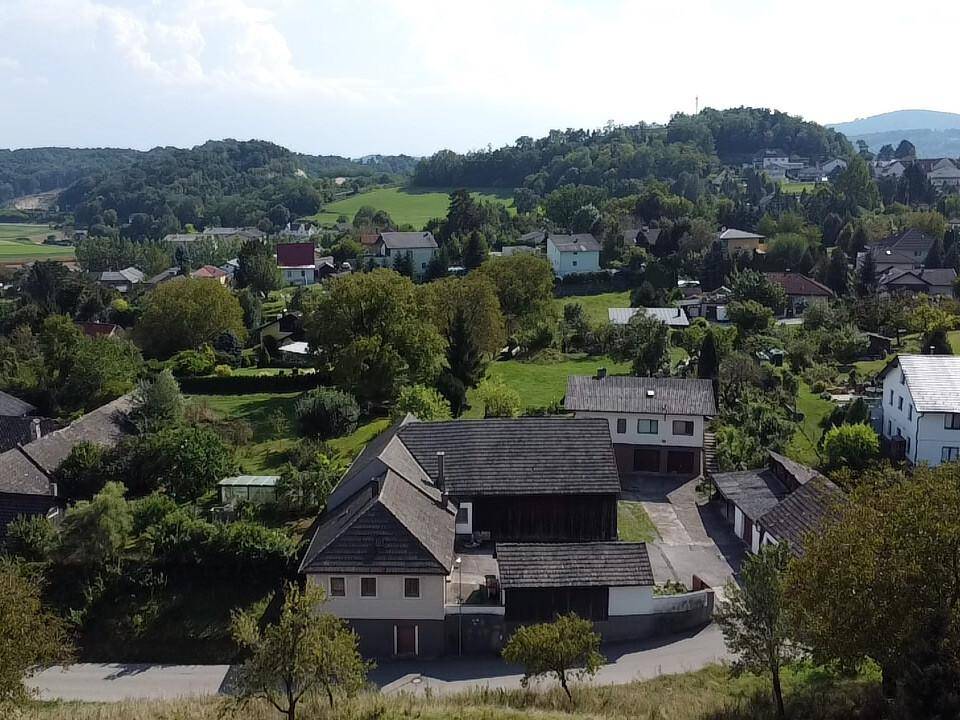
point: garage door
(646, 460)
(680, 461)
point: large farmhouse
(442, 537)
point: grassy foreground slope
(407, 206)
(709, 694)
(20, 242)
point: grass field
(803, 445)
(712, 693)
(23, 242)
(407, 206)
(596, 306)
(633, 523)
(795, 188)
(541, 383)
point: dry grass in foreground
(709, 694)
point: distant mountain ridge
(934, 133)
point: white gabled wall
(664, 437)
(389, 604)
(925, 431)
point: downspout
(916, 436)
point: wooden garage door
(680, 461)
(646, 460)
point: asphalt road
(626, 662)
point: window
(903, 378)
(899, 403)
(949, 454)
(621, 425)
(338, 587)
(574, 263)
(386, 251)
(910, 412)
(891, 398)
(908, 445)
(683, 427)
(648, 427)
(368, 587)
(951, 421)
(411, 587)
(423, 265)
(463, 515)
(889, 428)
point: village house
(299, 231)
(573, 254)
(443, 537)
(123, 281)
(655, 424)
(734, 241)
(27, 471)
(388, 246)
(214, 234)
(20, 423)
(802, 291)
(100, 329)
(296, 263)
(669, 316)
(904, 251)
(210, 272)
(162, 277)
(782, 502)
(920, 408)
(929, 281)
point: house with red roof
(802, 291)
(296, 263)
(209, 272)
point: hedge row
(247, 384)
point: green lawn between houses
(407, 205)
(633, 523)
(596, 306)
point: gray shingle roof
(521, 456)
(933, 380)
(802, 512)
(670, 396)
(592, 564)
(103, 426)
(753, 491)
(19, 475)
(14, 407)
(389, 526)
(734, 234)
(671, 317)
(20, 430)
(408, 240)
(581, 242)
(921, 276)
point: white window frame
(951, 421)
(949, 454)
(342, 579)
(653, 427)
(375, 588)
(621, 423)
(691, 423)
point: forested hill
(38, 170)
(614, 155)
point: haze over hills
(934, 133)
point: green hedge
(247, 384)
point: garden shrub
(327, 413)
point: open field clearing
(407, 206)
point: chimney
(35, 429)
(601, 373)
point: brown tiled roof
(590, 564)
(797, 284)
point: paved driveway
(625, 663)
(694, 539)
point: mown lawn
(24, 242)
(795, 188)
(542, 383)
(596, 306)
(633, 523)
(803, 445)
(406, 205)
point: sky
(355, 77)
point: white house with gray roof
(921, 408)
(656, 424)
(420, 246)
(573, 254)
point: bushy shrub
(223, 371)
(151, 510)
(191, 363)
(422, 402)
(853, 446)
(81, 474)
(31, 538)
(498, 399)
(327, 413)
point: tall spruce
(464, 358)
(838, 275)
(709, 361)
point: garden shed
(257, 489)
